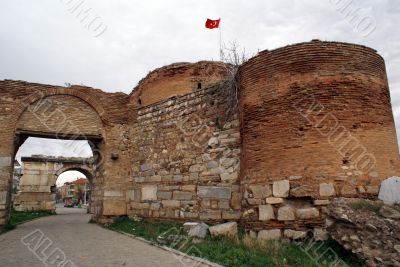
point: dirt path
(84, 244)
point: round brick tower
(176, 80)
(317, 115)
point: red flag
(211, 24)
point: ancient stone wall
(369, 229)
(186, 159)
(315, 122)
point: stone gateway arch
(36, 190)
(313, 122)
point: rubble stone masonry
(186, 159)
(314, 122)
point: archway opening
(45, 166)
(57, 115)
(72, 192)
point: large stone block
(260, 191)
(229, 177)
(286, 213)
(321, 202)
(177, 178)
(326, 190)
(198, 230)
(281, 188)
(182, 195)
(152, 179)
(113, 207)
(231, 215)
(212, 164)
(273, 234)
(164, 194)
(224, 204)
(303, 191)
(389, 192)
(214, 192)
(189, 215)
(149, 192)
(292, 234)
(227, 162)
(210, 215)
(265, 213)
(139, 205)
(254, 201)
(188, 225)
(274, 200)
(228, 229)
(155, 206)
(189, 187)
(307, 213)
(130, 195)
(171, 203)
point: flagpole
(220, 42)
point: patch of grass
(366, 205)
(242, 251)
(157, 232)
(273, 253)
(18, 217)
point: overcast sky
(44, 41)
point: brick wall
(316, 123)
(61, 114)
(176, 80)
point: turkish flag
(211, 24)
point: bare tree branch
(233, 57)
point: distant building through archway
(37, 188)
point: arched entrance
(69, 113)
(59, 115)
(72, 191)
(90, 187)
